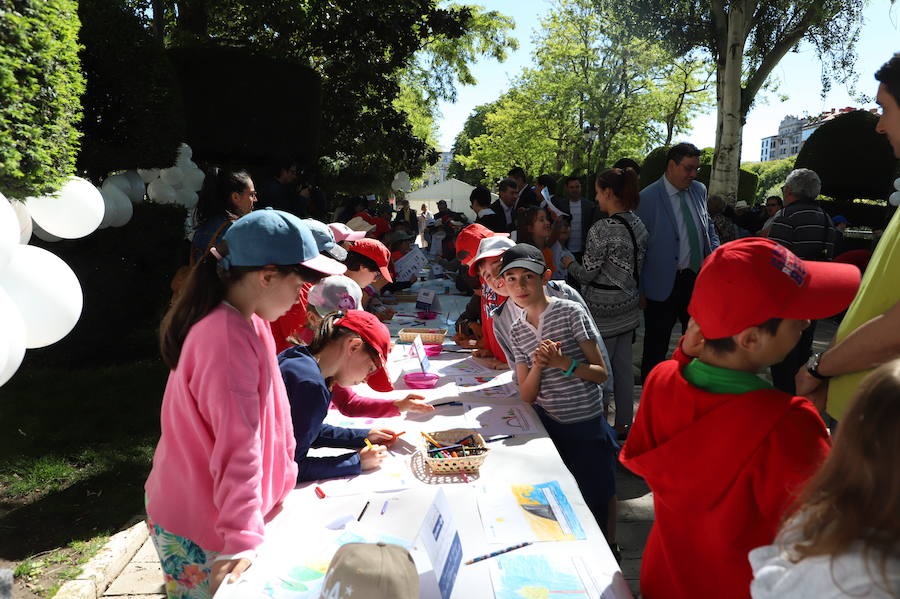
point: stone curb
(103, 568)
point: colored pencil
(430, 440)
(320, 493)
(499, 438)
(447, 403)
(384, 508)
(395, 435)
(498, 552)
(368, 443)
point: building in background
(793, 132)
(437, 172)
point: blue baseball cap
(274, 237)
(325, 239)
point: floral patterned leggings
(185, 564)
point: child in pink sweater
(225, 459)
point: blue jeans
(588, 449)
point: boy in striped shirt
(560, 369)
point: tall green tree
(462, 146)
(595, 93)
(745, 40)
(360, 51)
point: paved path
(142, 577)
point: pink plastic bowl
(426, 315)
(433, 349)
(420, 380)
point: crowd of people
(280, 316)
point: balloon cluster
(401, 182)
(894, 199)
(178, 184)
(40, 297)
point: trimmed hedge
(133, 115)
(852, 159)
(124, 273)
(40, 86)
(655, 165)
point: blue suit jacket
(661, 263)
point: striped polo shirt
(566, 399)
(805, 229)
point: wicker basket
(461, 464)
(430, 336)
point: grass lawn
(75, 449)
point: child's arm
(529, 380)
(594, 370)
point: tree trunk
(729, 117)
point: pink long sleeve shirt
(225, 459)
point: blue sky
(799, 75)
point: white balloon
(148, 174)
(186, 198)
(12, 342)
(42, 234)
(75, 211)
(897, 183)
(111, 199)
(185, 151)
(120, 180)
(161, 192)
(46, 292)
(193, 178)
(123, 212)
(138, 188)
(9, 231)
(895, 198)
(24, 217)
(173, 176)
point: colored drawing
(302, 581)
(536, 577)
(466, 367)
(473, 381)
(528, 513)
(490, 391)
(500, 420)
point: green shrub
(772, 174)
(125, 274)
(133, 115)
(852, 159)
(40, 85)
(655, 165)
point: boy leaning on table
(560, 369)
(722, 450)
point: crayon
(384, 508)
(320, 492)
(395, 435)
(447, 403)
(430, 440)
(498, 552)
(368, 443)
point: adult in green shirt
(869, 335)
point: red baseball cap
(746, 282)
(373, 332)
(468, 239)
(375, 250)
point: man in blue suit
(682, 234)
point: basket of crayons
(429, 336)
(454, 450)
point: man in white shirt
(583, 213)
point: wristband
(571, 368)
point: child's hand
(381, 435)
(370, 457)
(413, 403)
(553, 355)
(538, 358)
(226, 570)
(483, 352)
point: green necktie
(693, 235)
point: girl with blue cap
(225, 459)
